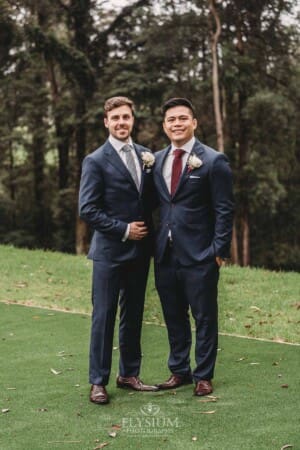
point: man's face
(119, 122)
(179, 125)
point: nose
(176, 122)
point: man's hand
(137, 231)
(220, 261)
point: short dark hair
(177, 101)
(115, 102)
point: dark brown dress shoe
(176, 381)
(134, 383)
(98, 394)
(203, 387)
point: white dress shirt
(167, 169)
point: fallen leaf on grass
(55, 372)
(112, 434)
(21, 284)
(286, 446)
(241, 359)
(207, 400)
(208, 412)
(42, 409)
(296, 305)
(11, 389)
(194, 438)
(116, 427)
(284, 385)
(5, 410)
(255, 308)
(104, 444)
(254, 363)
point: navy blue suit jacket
(200, 214)
(109, 200)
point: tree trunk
(234, 246)
(38, 150)
(12, 183)
(245, 239)
(82, 230)
(62, 131)
(215, 76)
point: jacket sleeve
(223, 204)
(91, 193)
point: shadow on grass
(44, 392)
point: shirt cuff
(126, 234)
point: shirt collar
(117, 144)
(187, 147)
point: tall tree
(215, 35)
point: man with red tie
(194, 186)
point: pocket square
(194, 176)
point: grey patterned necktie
(127, 149)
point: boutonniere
(148, 160)
(194, 162)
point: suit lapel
(159, 168)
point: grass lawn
(252, 302)
(44, 388)
(44, 356)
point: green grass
(252, 302)
(44, 356)
(252, 409)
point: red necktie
(176, 169)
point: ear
(105, 122)
(195, 123)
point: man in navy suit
(194, 185)
(115, 199)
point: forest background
(237, 60)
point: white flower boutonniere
(148, 159)
(194, 162)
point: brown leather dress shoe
(203, 387)
(176, 381)
(98, 394)
(134, 383)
